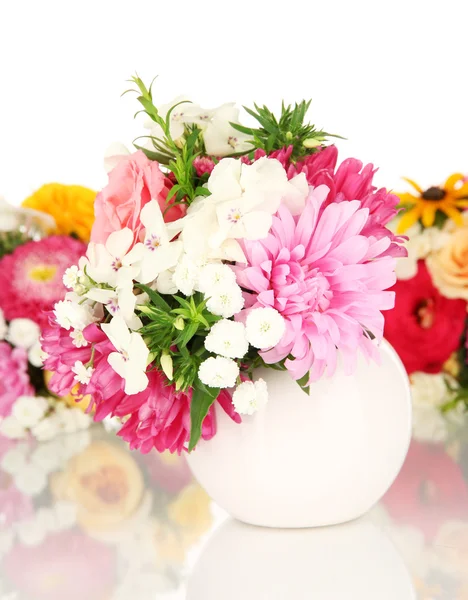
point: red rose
(425, 328)
(429, 490)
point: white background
(389, 76)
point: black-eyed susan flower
(450, 199)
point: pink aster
(14, 378)
(31, 277)
(326, 279)
(350, 181)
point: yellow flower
(70, 400)
(191, 512)
(449, 199)
(106, 485)
(72, 207)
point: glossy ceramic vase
(311, 460)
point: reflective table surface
(83, 517)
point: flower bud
(179, 323)
(167, 365)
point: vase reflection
(356, 561)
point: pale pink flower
(326, 279)
(14, 378)
(132, 184)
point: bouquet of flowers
(428, 326)
(219, 248)
(37, 243)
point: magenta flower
(158, 417)
(326, 279)
(351, 181)
(14, 378)
(31, 277)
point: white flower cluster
(185, 256)
(219, 136)
(429, 393)
(44, 418)
(30, 467)
(23, 333)
(45, 521)
(242, 201)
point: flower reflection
(122, 522)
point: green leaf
(155, 297)
(202, 191)
(187, 334)
(303, 382)
(202, 399)
(152, 155)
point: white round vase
(311, 460)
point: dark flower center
(434, 193)
(425, 313)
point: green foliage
(10, 240)
(176, 155)
(202, 399)
(289, 129)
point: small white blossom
(15, 459)
(71, 277)
(215, 277)
(64, 514)
(36, 355)
(30, 480)
(72, 419)
(3, 326)
(250, 397)
(11, 428)
(227, 302)
(29, 410)
(165, 283)
(83, 373)
(78, 338)
(46, 457)
(218, 372)
(105, 263)
(6, 543)
(265, 327)
(186, 275)
(227, 338)
(47, 429)
(131, 356)
(71, 315)
(23, 333)
(157, 253)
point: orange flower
(72, 207)
(450, 199)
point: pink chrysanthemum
(31, 277)
(326, 279)
(158, 417)
(351, 181)
(14, 378)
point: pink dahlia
(31, 277)
(351, 181)
(14, 378)
(326, 279)
(158, 417)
